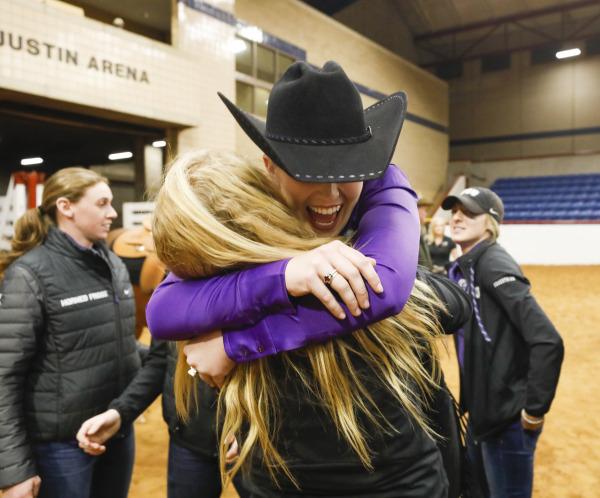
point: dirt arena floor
(568, 457)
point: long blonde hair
(32, 228)
(492, 227)
(216, 212)
(430, 237)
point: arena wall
(484, 173)
(527, 110)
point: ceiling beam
(535, 31)
(493, 52)
(583, 26)
(478, 41)
(507, 19)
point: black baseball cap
(477, 200)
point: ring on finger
(192, 372)
(328, 278)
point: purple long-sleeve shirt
(253, 308)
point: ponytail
(31, 230)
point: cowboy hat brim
(333, 163)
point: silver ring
(327, 279)
(192, 372)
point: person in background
(67, 320)
(442, 248)
(193, 465)
(509, 352)
(423, 206)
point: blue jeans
(192, 475)
(503, 465)
(67, 471)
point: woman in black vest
(67, 321)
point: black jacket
(67, 346)
(512, 352)
(407, 462)
(156, 377)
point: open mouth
(323, 217)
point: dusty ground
(568, 456)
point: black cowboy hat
(317, 131)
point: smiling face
(467, 228)
(89, 219)
(326, 206)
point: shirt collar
(93, 249)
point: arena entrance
(41, 139)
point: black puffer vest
(86, 352)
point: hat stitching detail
(324, 141)
(332, 177)
(374, 106)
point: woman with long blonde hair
(326, 165)
(441, 247)
(344, 417)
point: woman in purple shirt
(346, 417)
(323, 183)
(260, 318)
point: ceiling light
(571, 52)
(159, 143)
(252, 33)
(120, 155)
(30, 161)
(238, 46)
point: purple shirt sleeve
(250, 304)
(181, 309)
(388, 230)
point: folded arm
(388, 231)
(181, 309)
(252, 304)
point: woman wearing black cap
(509, 352)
